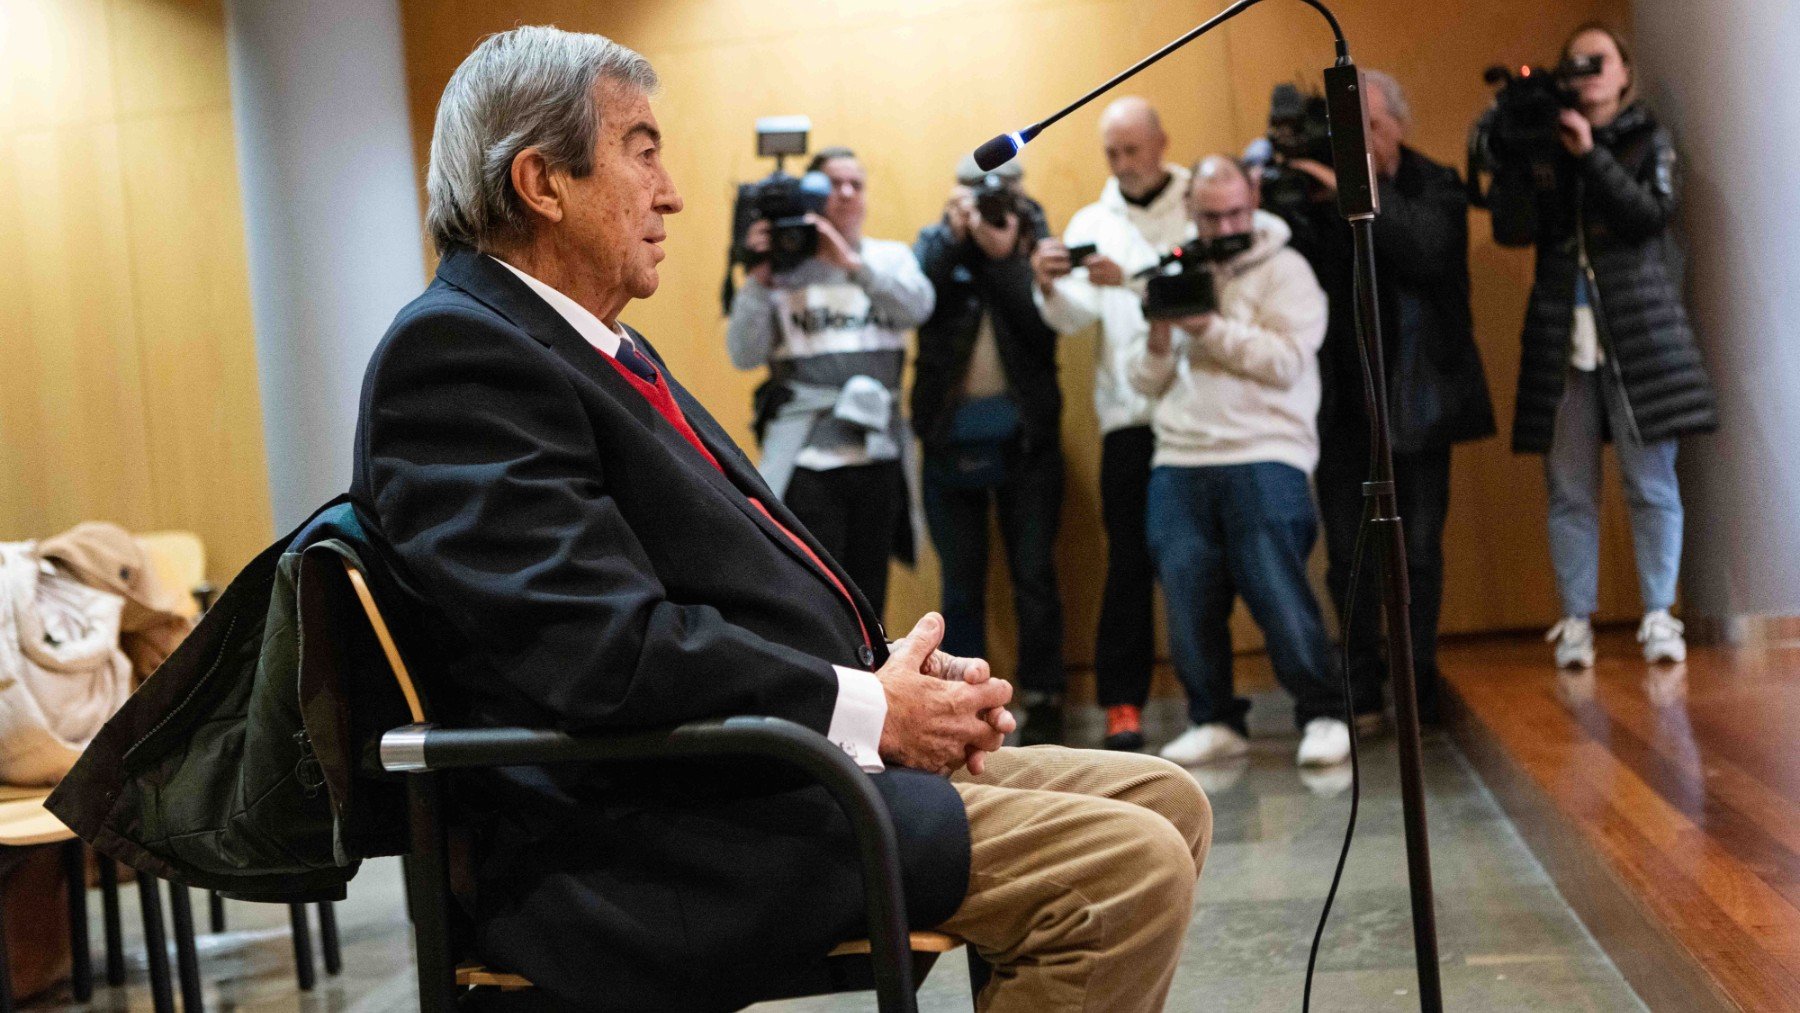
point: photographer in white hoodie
(1141, 213)
(1230, 511)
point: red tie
(656, 391)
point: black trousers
(1028, 505)
(1125, 647)
(854, 512)
(1422, 490)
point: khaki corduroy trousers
(1081, 878)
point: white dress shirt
(861, 708)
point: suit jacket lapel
(502, 291)
(499, 289)
(745, 481)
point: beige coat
(105, 556)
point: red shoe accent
(1123, 718)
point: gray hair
(1390, 90)
(531, 87)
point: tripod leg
(1391, 543)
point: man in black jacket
(1437, 390)
(987, 408)
(593, 552)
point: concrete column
(1724, 78)
(331, 209)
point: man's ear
(539, 189)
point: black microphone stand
(1359, 202)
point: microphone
(1002, 148)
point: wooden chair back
(178, 558)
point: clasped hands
(943, 712)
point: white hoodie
(1135, 238)
(1246, 389)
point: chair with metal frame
(25, 823)
(890, 961)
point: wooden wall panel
(130, 364)
(913, 86)
(81, 443)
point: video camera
(1190, 289)
(994, 200)
(1298, 128)
(779, 199)
(1516, 145)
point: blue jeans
(1217, 532)
(1572, 469)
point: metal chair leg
(303, 955)
(980, 971)
(187, 960)
(328, 939)
(215, 910)
(81, 954)
(109, 916)
(6, 996)
(156, 944)
(427, 893)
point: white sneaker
(1574, 639)
(1327, 782)
(1327, 742)
(1218, 778)
(1205, 744)
(1661, 636)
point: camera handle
(1358, 200)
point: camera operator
(1140, 215)
(1237, 405)
(1437, 390)
(832, 332)
(1608, 350)
(988, 411)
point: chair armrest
(425, 748)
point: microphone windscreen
(997, 152)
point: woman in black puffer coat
(1608, 350)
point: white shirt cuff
(857, 719)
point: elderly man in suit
(598, 554)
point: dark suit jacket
(1436, 385)
(581, 566)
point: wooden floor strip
(1679, 783)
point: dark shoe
(1124, 728)
(1043, 720)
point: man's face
(1385, 133)
(848, 204)
(614, 217)
(1222, 206)
(1134, 154)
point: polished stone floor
(1507, 939)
